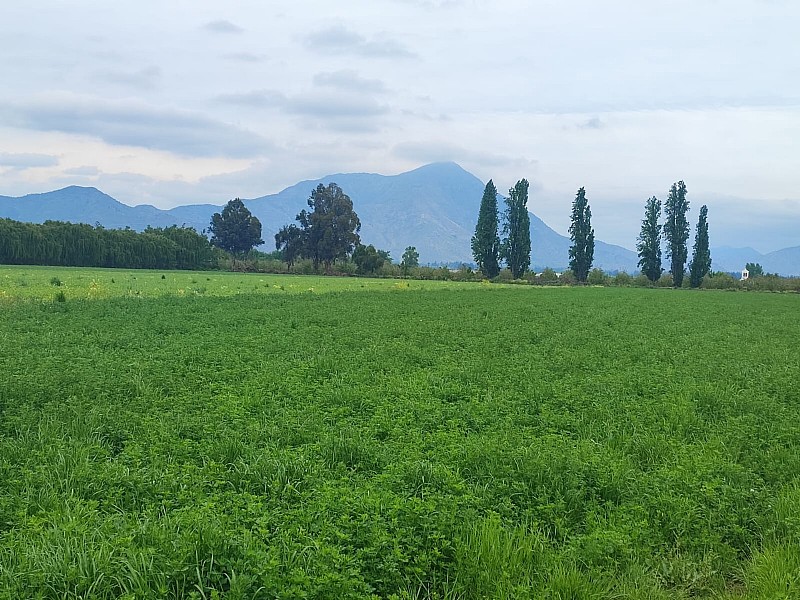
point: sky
(185, 102)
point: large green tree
(676, 230)
(369, 259)
(581, 252)
(516, 247)
(486, 242)
(754, 269)
(331, 226)
(235, 229)
(410, 259)
(701, 255)
(649, 243)
(289, 241)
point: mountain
(785, 261)
(434, 208)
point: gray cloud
(222, 26)
(245, 57)
(593, 123)
(442, 152)
(144, 79)
(340, 40)
(135, 124)
(349, 81)
(255, 99)
(335, 105)
(320, 110)
(85, 171)
(27, 161)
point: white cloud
(27, 161)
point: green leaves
(235, 229)
(649, 241)
(516, 248)
(365, 442)
(701, 256)
(676, 230)
(581, 252)
(485, 242)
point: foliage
(548, 277)
(581, 252)
(649, 242)
(410, 259)
(622, 279)
(368, 259)
(597, 277)
(486, 242)
(235, 229)
(676, 230)
(404, 453)
(754, 269)
(701, 255)
(331, 228)
(516, 246)
(289, 241)
(80, 245)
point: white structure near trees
(745, 275)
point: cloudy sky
(191, 101)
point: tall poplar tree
(649, 243)
(516, 248)
(581, 252)
(486, 242)
(701, 255)
(676, 230)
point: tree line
(490, 252)
(674, 232)
(328, 231)
(325, 233)
(57, 243)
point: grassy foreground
(448, 442)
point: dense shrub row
(56, 243)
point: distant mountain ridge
(434, 208)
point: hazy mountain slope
(82, 205)
(434, 208)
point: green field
(218, 435)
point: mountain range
(433, 208)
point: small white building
(745, 275)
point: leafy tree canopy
(676, 230)
(755, 269)
(235, 229)
(516, 247)
(581, 252)
(331, 227)
(486, 242)
(368, 259)
(410, 259)
(649, 243)
(701, 256)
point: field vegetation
(227, 435)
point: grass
(79, 283)
(433, 441)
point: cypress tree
(516, 248)
(676, 230)
(701, 256)
(486, 242)
(649, 243)
(581, 252)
